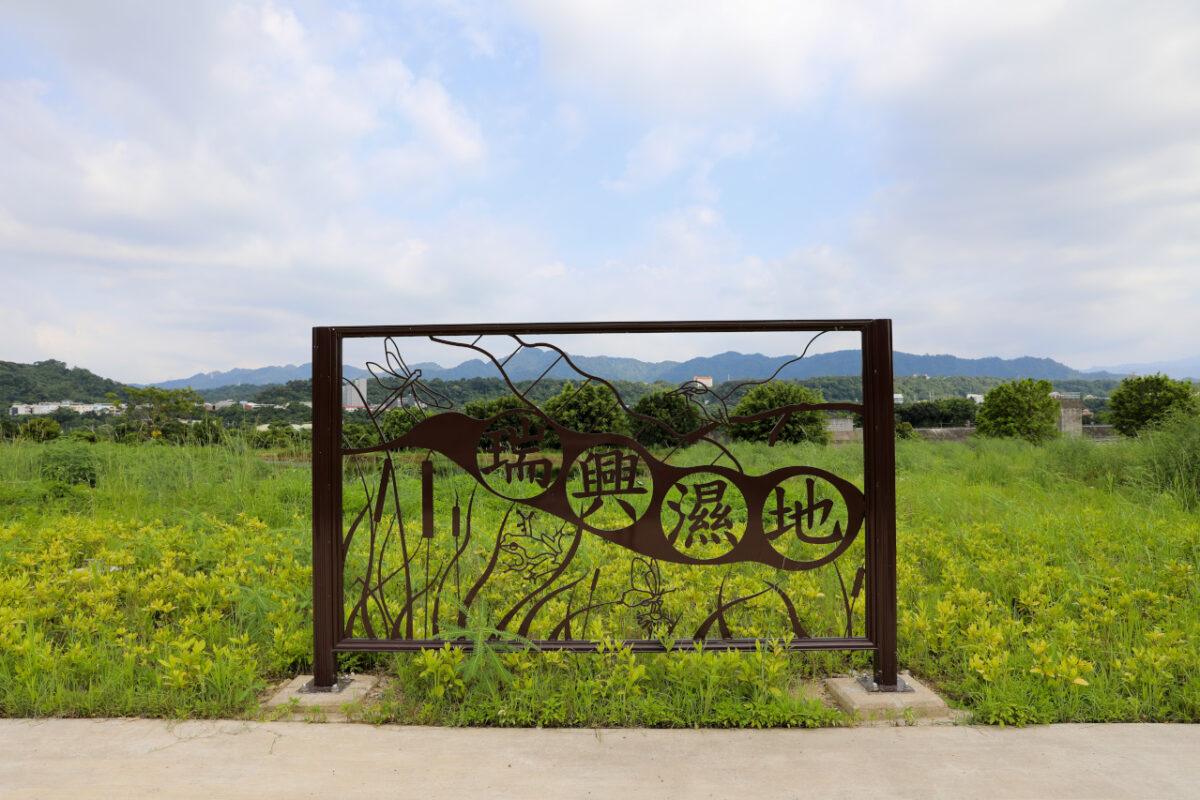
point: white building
(28, 409)
(355, 396)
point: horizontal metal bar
(587, 646)
(691, 326)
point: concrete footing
(297, 701)
(896, 708)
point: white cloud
(1039, 160)
(693, 58)
(218, 177)
(658, 155)
(571, 123)
(182, 168)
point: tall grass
(168, 483)
(1037, 584)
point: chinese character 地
(802, 517)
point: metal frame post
(879, 457)
(327, 504)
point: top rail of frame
(714, 326)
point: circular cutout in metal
(808, 519)
(704, 515)
(609, 487)
(511, 460)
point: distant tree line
(1013, 408)
(834, 388)
(953, 412)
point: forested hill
(50, 380)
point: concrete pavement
(72, 758)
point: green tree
(42, 429)
(486, 409)
(589, 408)
(291, 392)
(1021, 409)
(672, 409)
(797, 426)
(1148, 400)
(152, 412)
(398, 422)
(353, 435)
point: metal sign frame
(877, 501)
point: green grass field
(1045, 584)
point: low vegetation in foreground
(1037, 584)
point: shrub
(68, 464)
(952, 411)
(673, 409)
(588, 409)
(1147, 400)
(1020, 409)
(354, 435)
(798, 426)
(42, 429)
(486, 409)
(397, 422)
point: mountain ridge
(531, 364)
(52, 380)
(1179, 369)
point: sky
(187, 187)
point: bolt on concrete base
(897, 708)
(299, 701)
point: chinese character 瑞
(520, 443)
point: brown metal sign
(646, 527)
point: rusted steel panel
(565, 538)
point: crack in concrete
(214, 730)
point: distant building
(1070, 413)
(355, 396)
(703, 380)
(898, 399)
(978, 398)
(26, 409)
